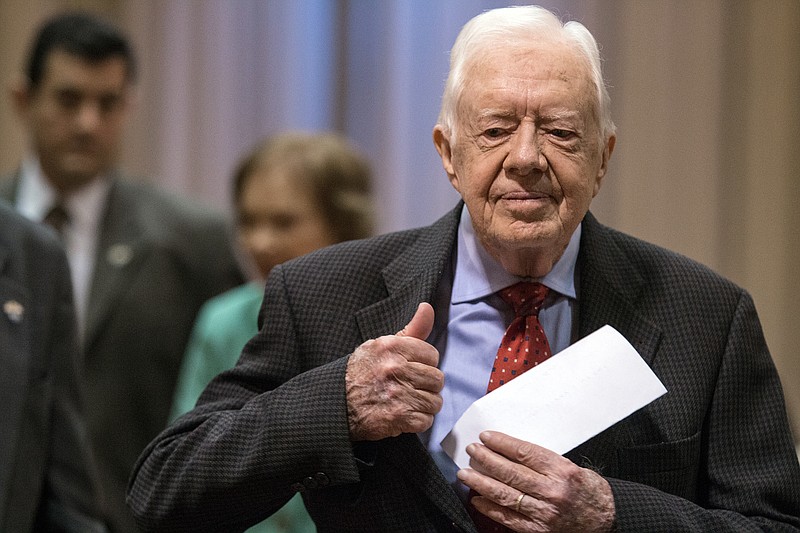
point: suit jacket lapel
(609, 288)
(120, 251)
(410, 279)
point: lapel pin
(14, 311)
(119, 255)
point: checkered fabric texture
(713, 454)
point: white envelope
(564, 401)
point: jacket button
(322, 479)
(310, 483)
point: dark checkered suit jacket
(714, 454)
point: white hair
(512, 25)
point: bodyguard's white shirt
(477, 320)
(85, 207)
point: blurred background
(705, 95)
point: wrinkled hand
(392, 383)
(559, 496)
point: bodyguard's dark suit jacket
(713, 454)
(158, 260)
(47, 478)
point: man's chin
(537, 232)
(530, 251)
(520, 235)
(76, 175)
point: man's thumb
(421, 323)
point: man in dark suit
(47, 477)
(351, 383)
(142, 262)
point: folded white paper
(565, 400)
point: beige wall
(707, 162)
(707, 101)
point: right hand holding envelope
(530, 488)
(393, 383)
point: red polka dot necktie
(523, 346)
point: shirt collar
(478, 274)
(36, 196)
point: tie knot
(57, 217)
(525, 297)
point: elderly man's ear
(607, 151)
(442, 143)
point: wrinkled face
(76, 117)
(278, 220)
(528, 155)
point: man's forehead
(63, 67)
(550, 74)
(558, 59)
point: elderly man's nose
(525, 153)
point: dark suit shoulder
(640, 288)
(32, 257)
(406, 250)
(8, 186)
(163, 208)
(655, 265)
(199, 235)
(371, 253)
(29, 241)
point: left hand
(559, 495)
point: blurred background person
(294, 193)
(47, 477)
(142, 262)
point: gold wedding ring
(519, 501)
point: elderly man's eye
(493, 132)
(561, 134)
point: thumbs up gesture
(393, 383)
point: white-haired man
(327, 401)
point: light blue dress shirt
(477, 320)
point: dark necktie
(524, 345)
(57, 218)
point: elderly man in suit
(47, 476)
(142, 262)
(351, 383)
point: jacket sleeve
(750, 478)
(260, 431)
